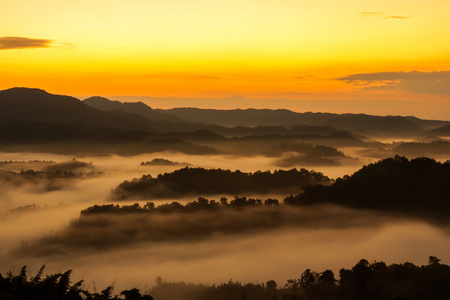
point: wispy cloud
(380, 76)
(12, 42)
(397, 17)
(370, 13)
(381, 15)
(414, 81)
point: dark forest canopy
(200, 181)
(163, 162)
(42, 180)
(416, 186)
(365, 280)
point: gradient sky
(383, 57)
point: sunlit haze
(378, 57)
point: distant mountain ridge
(358, 123)
(138, 108)
(35, 105)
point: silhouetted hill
(428, 124)
(34, 105)
(268, 130)
(358, 123)
(375, 125)
(144, 110)
(164, 162)
(199, 181)
(93, 140)
(138, 108)
(441, 131)
(197, 135)
(419, 186)
(423, 149)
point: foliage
(365, 280)
(55, 287)
(418, 186)
(193, 181)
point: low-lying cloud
(436, 82)
(13, 42)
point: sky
(379, 57)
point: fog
(318, 238)
(278, 255)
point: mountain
(35, 105)
(441, 131)
(357, 123)
(428, 124)
(138, 108)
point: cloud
(369, 13)
(380, 14)
(389, 76)
(415, 82)
(397, 17)
(12, 42)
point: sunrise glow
(256, 49)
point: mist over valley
(123, 193)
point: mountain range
(25, 112)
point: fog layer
(277, 248)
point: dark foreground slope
(365, 280)
(417, 186)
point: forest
(188, 181)
(418, 186)
(365, 280)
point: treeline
(200, 181)
(365, 280)
(163, 162)
(176, 207)
(32, 176)
(417, 186)
(43, 181)
(24, 162)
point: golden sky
(328, 51)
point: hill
(411, 187)
(138, 108)
(441, 131)
(35, 105)
(199, 181)
(358, 123)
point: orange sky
(384, 57)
